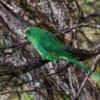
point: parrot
(50, 47)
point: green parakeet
(50, 48)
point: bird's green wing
(51, 43)
(53, 47)
(50, 48)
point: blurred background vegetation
(77, 24)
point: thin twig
(87, 25)
(15, 91)
(71, 83)
(88, 75)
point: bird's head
(28, 30)
(32, 32)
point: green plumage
(50, 48)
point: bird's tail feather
(87, 69)
(75, 61)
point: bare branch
(15, 23)
(88, 75)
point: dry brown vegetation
(76, 23)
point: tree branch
(93, 68)
(17, 25)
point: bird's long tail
(72, 59)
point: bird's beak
(25, 32)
